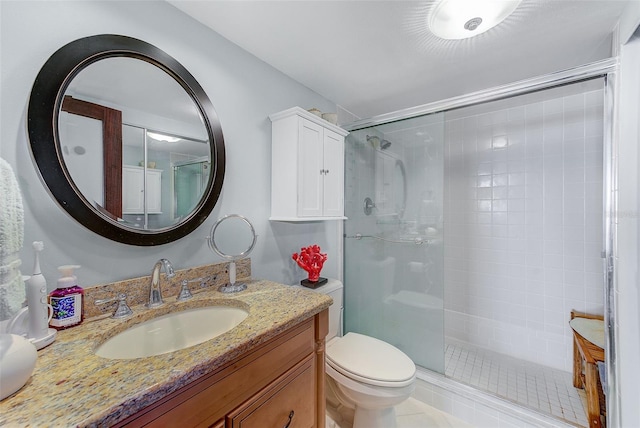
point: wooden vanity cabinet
(291, 398)
(276, 383)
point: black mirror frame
(42, 124)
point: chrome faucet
(155, 293)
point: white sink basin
(171, 332)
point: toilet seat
(370, 361)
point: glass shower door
(394, 254)
(190, 179)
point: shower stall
(190, 179)
(475, 227)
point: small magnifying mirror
(232, 237)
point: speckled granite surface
(71, 386)
(137, 289)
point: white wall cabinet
(307, 167)
(133, 190)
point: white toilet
(363, 373)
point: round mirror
(232, 237)
(126, 140)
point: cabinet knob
(290, 419)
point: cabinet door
(333, 190)
(132, 190)
(154, 192)
(310, 168)
(289, 402)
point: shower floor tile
(538, 387)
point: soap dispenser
(67, 300)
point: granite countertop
(71, 386)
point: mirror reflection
(400, 183)
(135, 147)
(390, 185)
(232, 237)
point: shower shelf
(417, 241)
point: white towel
(12, 292)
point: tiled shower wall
(523, 222)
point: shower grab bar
(416, 241)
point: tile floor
(538, 387)
(410, 414)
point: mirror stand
(232, 287)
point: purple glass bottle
(67, 300)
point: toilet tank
(333, 288)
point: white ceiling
(375, 57)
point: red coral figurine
(311, 260)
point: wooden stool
(585, 372)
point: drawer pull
(290, 419)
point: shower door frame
(606, 69)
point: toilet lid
(370, 360)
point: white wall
(523, 222)
(244, 91)
(627, 293)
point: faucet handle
(122, 310)
(185, 293)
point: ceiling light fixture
(461, 19)
(162, 137)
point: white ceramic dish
(19, 325)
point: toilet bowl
(363, 373)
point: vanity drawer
(288, 402)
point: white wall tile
(442, 400)
(463, 408)
(528, 224)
